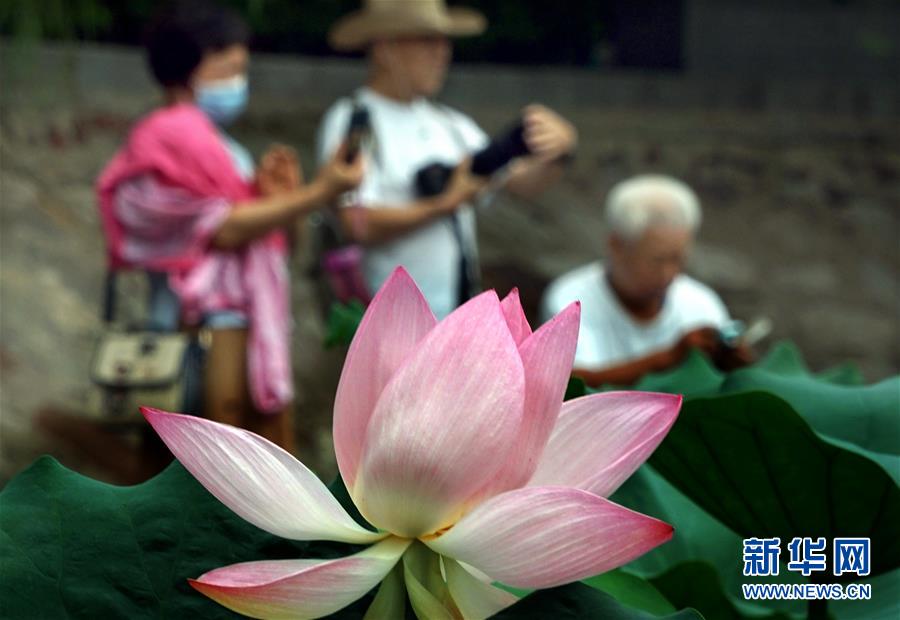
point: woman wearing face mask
(182, 201)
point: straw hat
(395, 18)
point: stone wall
(852, 42)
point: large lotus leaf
(578, 601)
(752, 462)
(784, 358)
(342, 322)
(864, 419)
(889, 462)
(846, 373)
(701, 537)
(695, 376)
(698, 538)
(632, 590)
(884, 604)
(701, 540)
(867, 416)
(697, 584)
(575, 388)
(626, 587)
(72, 547)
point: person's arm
(382, 223)
(530, 177)
(279, 171)
(252, 219)
(551, 139)
(255, 218)
(628, 373)
(379, 224)
(705, 338)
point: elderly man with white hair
(639, 312)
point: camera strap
(469, 283)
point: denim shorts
(164, 309)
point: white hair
(647, 200)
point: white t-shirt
(408, 136)
(609, 336)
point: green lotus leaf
(754, 464)
(73, 547)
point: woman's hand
(279, 171)
(339, 176)
(548, 135)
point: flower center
(435, 535)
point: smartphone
(758, 329)
(736, 333)
(358, 131)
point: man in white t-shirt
(409, 53)
(639, 312)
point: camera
(432, 179)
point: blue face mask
(222, 100)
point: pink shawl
(194, 184)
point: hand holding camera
(540, 132)
(461, 187)
(433, 179)
(548, 135)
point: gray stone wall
(844, 42)
(89, 75)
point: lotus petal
(475, 598)
(547, 357)
(300, 588)
(601, 439)
(396, 320)
(541, 537)
(441, 428)
(427, 590)
(256, 479)
(390, 600)
(515, 317)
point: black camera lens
(502, 149)
(432, 179)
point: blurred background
(784, 117)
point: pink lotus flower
(453, 440)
